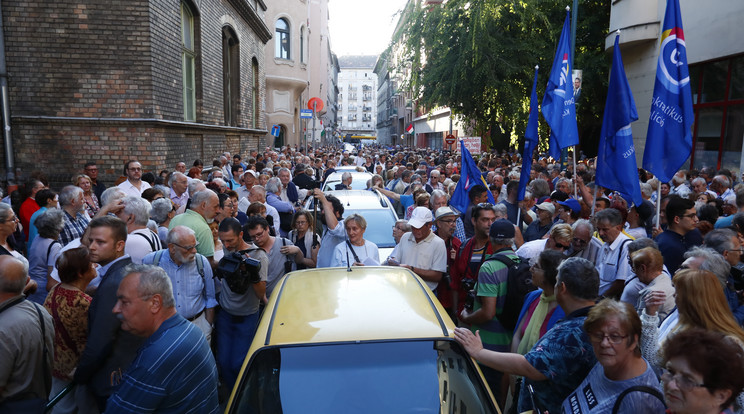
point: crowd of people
(572, 299)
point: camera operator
(193, 285)
(237, 318)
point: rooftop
(357, 61)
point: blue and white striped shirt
(174, 372)
(188, 286)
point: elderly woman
(540, 310)
(615, 331)
(355, 250)
(163, 210)
(702, 372)
(68, 304)
(8, 226)
(46, 199)
(44, 251)
(92, 204)
(305, 239)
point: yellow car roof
(337, 305)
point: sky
(362, 27)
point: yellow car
(363, 340)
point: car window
(396, 376)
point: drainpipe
(5, 102)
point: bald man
(27, 337)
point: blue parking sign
(275, 130)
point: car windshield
(358, 182)
(380, 224)
(379, 377)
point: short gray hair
(610, 215)
(112, 194)
(405, 225)
(345, 176)
(153, 281)
(68, 194)
(720, 240)
(160, 209)
(50, 223)
(358, 219)
(193, 185)
(174, 176)
(5, 211)
(580, 277)
(582, 223)
(176, 233)
(647, 190)
(200, 198)
(499, 208)
(139, 208)
(274, 185)
(712, 261)
(165, 191)
(261, 190)
(13, 285)
(641, 243)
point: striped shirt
(73, 228)
(174, 372)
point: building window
(282, 39)
(718, 100)
(302, 44)
(255, 97)
(188, 58)
(230, 76)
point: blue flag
(669, 137)
(470, 175)
(558, 106)
(530, 141)
(553, 149)
(616, 162)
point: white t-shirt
(429, 254)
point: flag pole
(594, 201)
(576, 189)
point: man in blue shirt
(174, 371)
(563, 357)
(192, 282)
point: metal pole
(576, 189)
(315, 103)
(7, 138)
(574, 13)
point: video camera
(239, 271)
(468, 285)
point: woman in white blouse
(355, 250)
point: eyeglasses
(691, 215)
(561, 246)
(187, 247)
(448, 221)
(14, 218)
(684, 383)
(614, 338)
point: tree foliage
(478, 58)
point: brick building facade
(161, 81)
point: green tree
(478, 58)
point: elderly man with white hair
(140, 239)
(284, 208)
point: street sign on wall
(275, 130)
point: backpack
(518, 285)
(199, 267)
